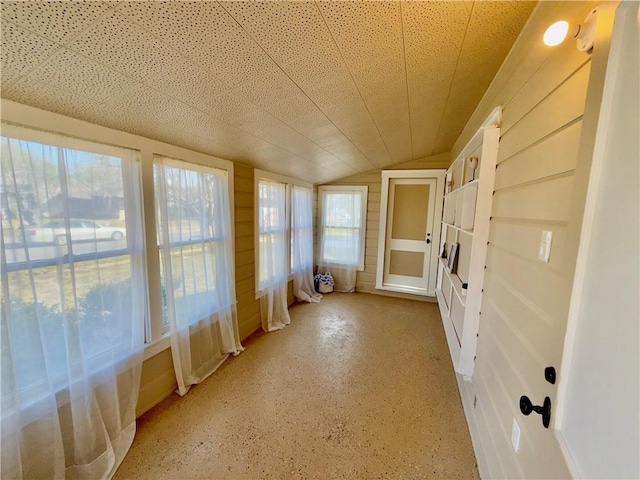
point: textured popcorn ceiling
(314, 90)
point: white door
(411, 235)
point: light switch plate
(545, 245)
(515, 436)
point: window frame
(313, 231)
(289, 182)
(24, 116)
(364, 192)
(62, 140)
(49, 137)
(159, 335)
(172, 162)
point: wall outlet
(515, 436)
(545, 245)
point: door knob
(526, 407)
(428, 240)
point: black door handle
(526, 407)
(428, 240)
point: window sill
(32, 400)
(260, 293)
(156, 347)
(359, 268)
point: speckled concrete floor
(358, 386)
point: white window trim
(288, 182)
(173, 162)
(34, 118)
(364, 189)
(52, 138)
(310, 187)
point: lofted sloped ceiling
(314, 90)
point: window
(301, 229)
(81, 292)
(273, 246)
(194, 239)
(342, 215)
(273, 227)
(73, 275)
(73, 231)
(302, 244)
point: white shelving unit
(465, 221)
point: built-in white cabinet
(463, 241)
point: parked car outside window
(80, 230)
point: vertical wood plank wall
(526, 301)
(158, 379)
(157, 382)
(248, 306)
(366, 280)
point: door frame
(573, 371)
(387, 176)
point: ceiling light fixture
(584, 33)
(556, 33)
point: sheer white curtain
(273, 255)
(342, 234)
(196, 250)
(302, 244)
(73, 305)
